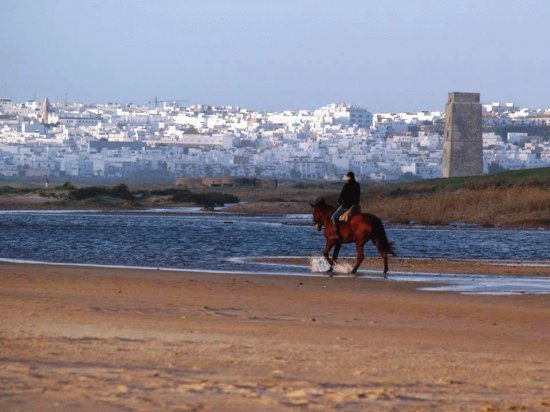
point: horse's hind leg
(384, 255)
(359, 246)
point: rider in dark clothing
(349, 196)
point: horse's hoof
(330, 269)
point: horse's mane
(322, 204)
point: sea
(189, 239)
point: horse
(360, 228)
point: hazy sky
(386, 55)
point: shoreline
(441, 266)
(474, 277)
(433, 265)
(116, 339)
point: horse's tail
(380, 238)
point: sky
(387, 55)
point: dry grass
(514, 206)
(511, 206)
(518, 198)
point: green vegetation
(517, 178)
(138, 197)
(9, 190)
(208, 200)
(121, 196)
(117, 192)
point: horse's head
(321, 210)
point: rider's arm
(341, 197)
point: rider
(349, 196)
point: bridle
(319, 226)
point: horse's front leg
(326, 253)
(336, 252)
(359, 246)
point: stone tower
(463, 144)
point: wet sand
(412, 265)
(77, 338)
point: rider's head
(350, 177)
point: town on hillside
(167, 140)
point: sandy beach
(98, 339)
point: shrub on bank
(175, 195)
(210, 199)
(66, 186)
(120, 192)
(204, 199)
(9, 190)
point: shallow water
(216, 241)
(467, 284)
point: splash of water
(342, 267)
(319, 264)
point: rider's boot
(336, 234)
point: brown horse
(359, 229)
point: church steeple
(45, 111)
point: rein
(319, 226)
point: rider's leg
(336, 221)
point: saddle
(354, 210)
